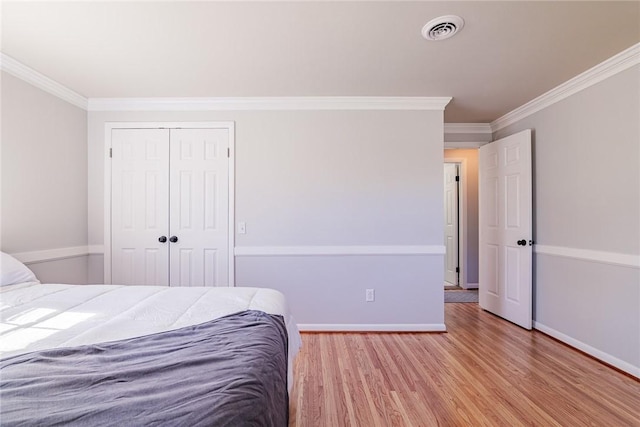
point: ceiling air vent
(442, 28)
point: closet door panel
(139, 206)
(199, 207)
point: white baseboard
(470, 286)
(401, 327)
(51, 254)
(598, 354)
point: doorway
(466, 161)
(451, 224)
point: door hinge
(228, 152)
(457, 178)
(110, 152)
(457, 269)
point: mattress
(38, 316)
(230, 371)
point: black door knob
(173, 239)
(162, 239)
(522, 242)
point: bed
(142, 355)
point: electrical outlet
(370, 295)
(242, 228)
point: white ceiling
(508, 53)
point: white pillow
(13, 271)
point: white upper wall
(587, 179)
(317, 177)
(44, 170)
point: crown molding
(614, 65)
(31, 76)
(269, 103)
(462, 145)
(39, 80)
(466, 128)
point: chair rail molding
(46, 255)
(338, 250)
(612, 258)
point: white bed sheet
(36, 316)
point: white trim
(338, 250)
(231, 201)
(476, 128)
(39, 80)
(106, 153)
(470, 286)
(31, 76)
(109, 126)
(614, 65)
(598, 354)
(51, 254)
(401, 327)
(269, 103)
(96, 249)
(612, 258)
(170, 125)
(464, 144)
(0, 135)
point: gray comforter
(230, 371)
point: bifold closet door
(139, 206)
(199, 207)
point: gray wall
(44, 176)
(68, 270)
(587, 197)
(307, 179)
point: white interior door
(139, 206)
(199, 207)
(505, 228)
(451, 223)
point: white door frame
(462, 218)
(109, 126)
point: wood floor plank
(483, 372)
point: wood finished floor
(483, 372)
